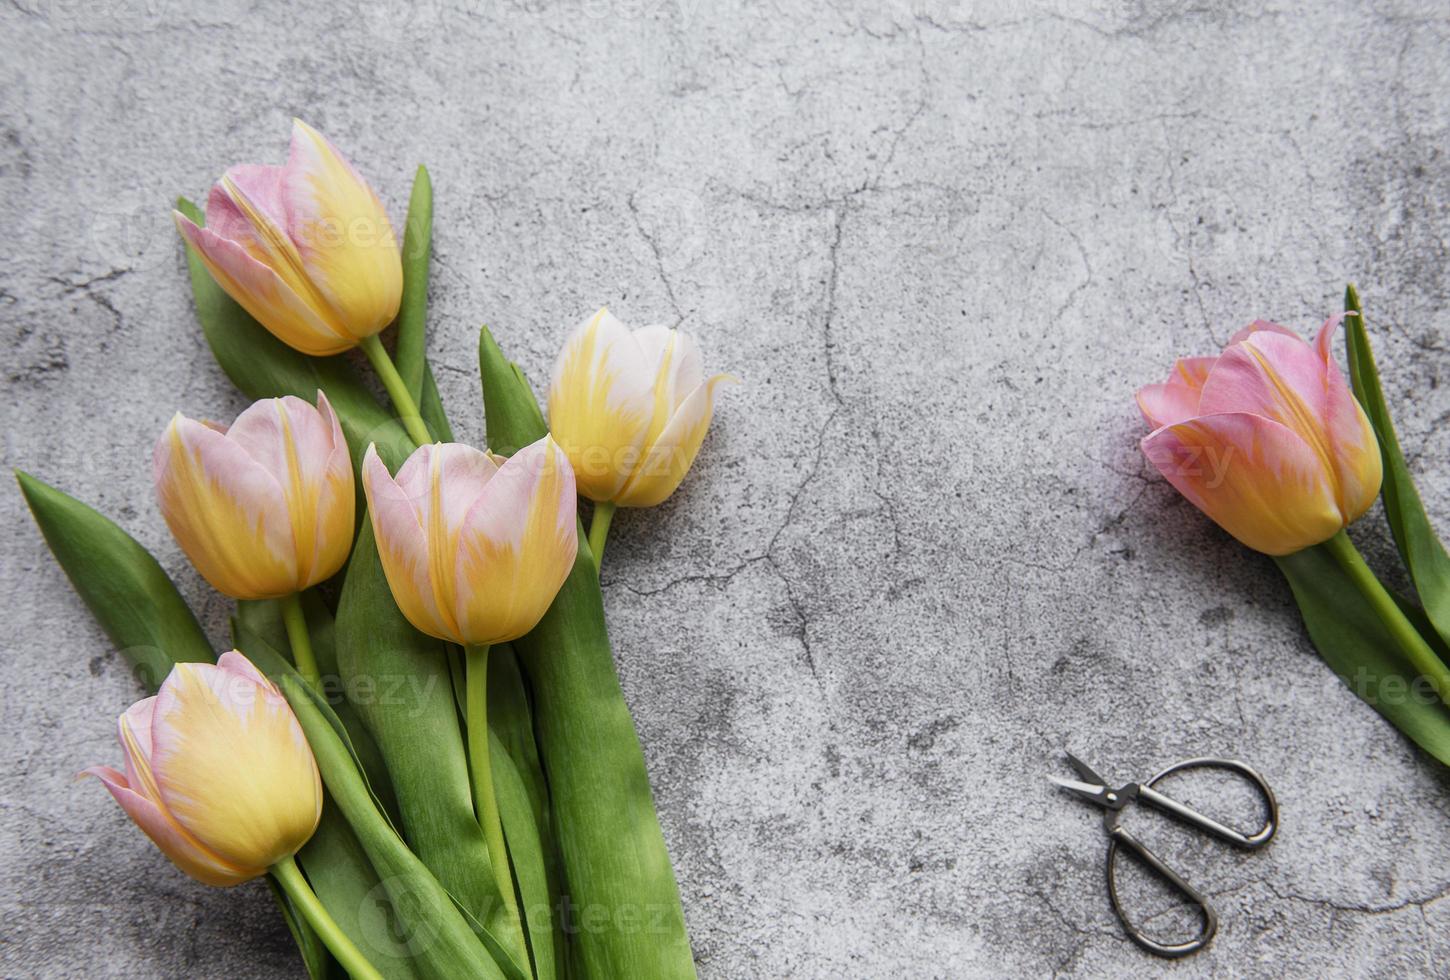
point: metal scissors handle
(1115, 801)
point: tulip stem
(599, 530)
(484, 805)
(296, 623)
(289, 876)
(397, 388)
(1411, 643)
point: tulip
(265, 508)
(306, 248)
(220, 776)
(1266, 439)
(630, 409)
(473, 550)
(218, 773)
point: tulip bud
(474, 551)
(1267, 439)
(306, 248)
(218, 772)
(263, 509)
(630, 409)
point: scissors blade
(1084, 770)
(1092, 792)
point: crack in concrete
(1085, 934)
(1109, 523)
(654, 248)
(769, 553)
(1182, 239)
(1351, 908)
(87, 287)
(841, 207)
(719, 579)
(1087, 267)
(832, 280)
(71, 285)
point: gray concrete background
(942, 243)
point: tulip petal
(666, 461)
(1177, 398)
(337, 504)
(260, 187)
(446, 478)
(1260, 326)
(1324, 339)
(601, 402)
(226, 511)
(1360, 467)
(341, 231)
(677, 368)
(133, 731)
(457, 476)
(251, 201)
(235, 662)
(417, 519)
(403, 547)
(1283, 378)
(674, 361)
(184, 850)
(1192, 371)
(303, 449)
(517, 545)
(232, 765)
(1165, 404)
(262, 293)
(1255, 477)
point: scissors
(1096, 789)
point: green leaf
(1423, 554)
(340, 873)
(511, 719)
(434, 932)
(315, 957)
(459, 675)
(122, 585)
(1355, 644)
(431, 408)
(1415, 613)
(400, 685)
(510, 412)
(617, 869)
(262, 366)
(526, 855)
(410, 355)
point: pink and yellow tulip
(265, 508)
(630, 409)
(474, 547)
(306, 248)
(1267, 438)
(218, 772)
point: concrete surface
(942, 243)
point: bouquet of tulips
(1270, 441)
(419, 738)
